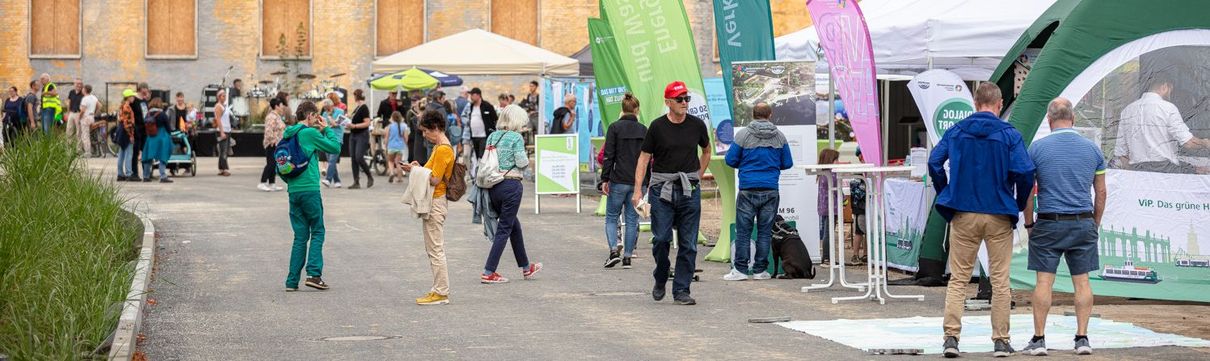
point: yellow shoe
(432, 298)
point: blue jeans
(684, 213)
(761, 205)
(825, 223)
(48, 119)
(333, 162)
(506, 201)
(619, 200)
(147, 170)
(124, 161)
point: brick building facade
(157, 41)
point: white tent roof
(479, 52)
(967, 37)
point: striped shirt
(1067, 164)
(510, 147)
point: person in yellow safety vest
(52, 108)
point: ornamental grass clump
(67, 252)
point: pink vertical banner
(846, 45)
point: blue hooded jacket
(987, 159)
(760, 152)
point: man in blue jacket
(760, 152)
(992, 176)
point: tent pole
(886, 124)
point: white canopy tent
(479, 52)
(967, 37)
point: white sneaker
(337, 185)
(263, 187)
(761, 276)
(735, 276)
(325, 182)
(276, 188)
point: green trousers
(307, 219)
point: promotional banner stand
(557, 167)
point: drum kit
(269, 88)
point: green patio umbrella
(411, 79)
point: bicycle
(100, 130)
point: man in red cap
(675, 197)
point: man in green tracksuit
(306, 206)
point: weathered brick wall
(341, 34)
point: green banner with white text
(656, 47)
(607, 70)
(745, 33)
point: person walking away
(396, 145)
(671, 147)
(275, 128)
(565, 117)
(52, 107)
(315, 136)
(33, 106)
(826, 156)
(331, 115)
(857, 202)
(74, 96)
(88, 113)
(760, 152)
(360, 139)
(441, 164)
(13, 118)
(125, 137)
(506, 199)
(483, 119)
(1152, 133)
(623, 143)
(158, 146)
(987, 161)
(224, 132)
(1068, 220)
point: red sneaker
(492, 278)
(532, 270)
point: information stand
(876, 268)
(835, 212)
(557, 167)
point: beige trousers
(83, 125)
(434, 244)
(967, 231)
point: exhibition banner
(789, 87)
(906, 203)
(556, 159)
(716, 97)
(845, 39)
(607, 71)
(656, 47)
(744, 32)
(943, 99)
(588, 117)
(1153, 242)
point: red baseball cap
(675, 89)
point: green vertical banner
(745, 33)
(655, 44)
(607, 69)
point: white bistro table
(835, 254)
(876, 267)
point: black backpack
(789, 251)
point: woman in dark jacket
(623, 142)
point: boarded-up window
(517, 19)
(171, 28)
(285, 28)
(400, 25)
(54, 28)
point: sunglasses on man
(680, 99)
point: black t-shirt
(360, 115)
(674, 147)
(73, 100)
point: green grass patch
(67, 252)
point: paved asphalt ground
(224, 246)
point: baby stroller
(182, 157)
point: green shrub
(67, 252)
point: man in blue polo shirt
(1068, 218)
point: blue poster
(720, 110)
(588, 121)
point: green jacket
(313, 142)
